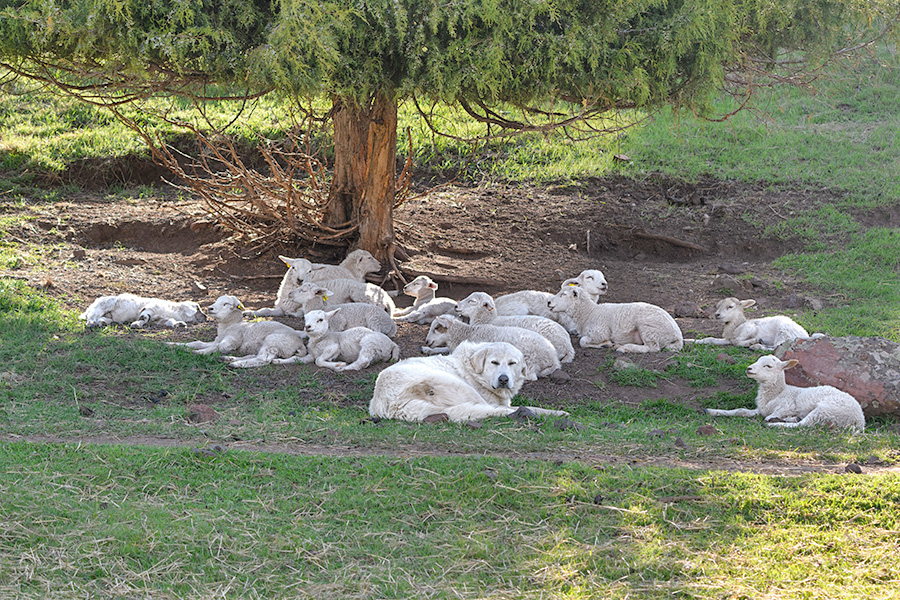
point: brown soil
(681, 246)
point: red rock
(866, 368)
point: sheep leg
(439, 350)
(588, 342)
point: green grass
(82, 520)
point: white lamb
(312, 296)
(140, 312)
(531, 302)
(354, 267)
(347, 290)
(479, 308)
(349, 350)
(765, 333)
(256, 343)
(591, 281)
(447, 332)
(426, 306)
(783, 405)
(629, 327)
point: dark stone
(436, 418)
(707, 430)
(201, 413)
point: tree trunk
(364, 180)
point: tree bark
(364, 180)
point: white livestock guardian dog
(476, 381)
(141, 312)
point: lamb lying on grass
(255, 344)
(629, 327)
(783, 405)
(141, 312)
(354, 267)
(476, 381)
(479, 308)
(311, 296)
(350, 350)
(765, 333)
(448, 332)
(427, 306)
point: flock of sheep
(475, 366)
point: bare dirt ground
(681, 246)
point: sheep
(312, 296)
(480, 310)
(257, 343)
(591, 281)
(354, 267)
(531, 302)
(347, 290)
(765, 333)
(357, 347)
(783, 405)
(140, 312)
(447, 332)
(427, 306)
(629, 327)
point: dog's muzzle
(503, 381)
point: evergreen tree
(368, 55)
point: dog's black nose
(503, 381)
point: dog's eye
(495, 362)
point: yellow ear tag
(240, 306)
(573, 285)
(324, 298)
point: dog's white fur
(141, 312)
(476, 381)
(257, 343)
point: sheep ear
(331, 313)
(240, 305)
(748, 303)
(286, 260)
(790, 364)
(432, 285)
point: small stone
(201, 413)
(85, 411)
(523, 413)
(656, 433)
(725, 358)
(623, 363)
(436, 418)
(707, 430)
(474, 424)
(731, 268)
(564, 424)
(688, 309)
(680, 443)
(559, 376)
(598, 499)
(853, 468)
(79, 254)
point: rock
(79, 254)
(523, 413)
(853, 468)
(623, 363)
(725, 358)
(436, 418)
(688, 309)
(559, 376)
(729, 285)
(201, 413)
(866, 368)
(707, 430)
(731, 268)
(564, 424)
(680, 443)
(474, 424)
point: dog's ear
(477, 360)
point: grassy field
(636, 504)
